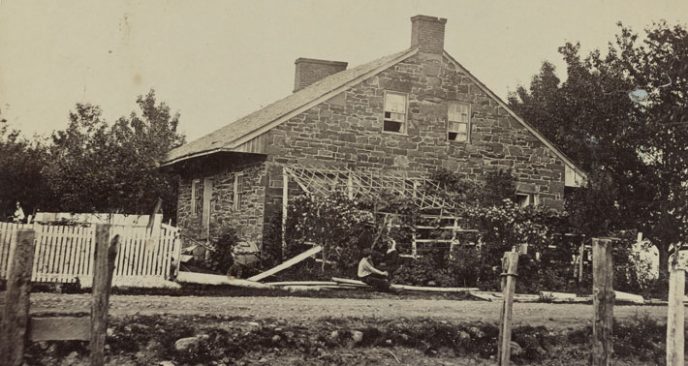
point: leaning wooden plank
(483, 295)
(310, 252)
(211, 279)
(563, 297)
(349, 282)
(434, 289)
(314, 288)
(302, 283)
(64, 328)
(625, 296)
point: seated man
(371, 275)
(392, 261)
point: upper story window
(459, 122)
(395, 112)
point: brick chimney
(309, 70)
(427, 33)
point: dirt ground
(281, 331)
(552, 316)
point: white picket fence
(65, 254)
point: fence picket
(66, 253)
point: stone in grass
(356, 336)
(184, 344)
(516, 349)
(166, 363)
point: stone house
(408, 113)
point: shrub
(429, 270)
(221, 246)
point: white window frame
(387, 116)
(207, 203)
(236, 194)
(194, 182)
(467, 122)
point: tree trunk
(663, 261)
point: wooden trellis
(323, 181)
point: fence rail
(65, 254)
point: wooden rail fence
(65, 254)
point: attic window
(458, 122)
(395, 112)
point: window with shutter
(395, 112)
(458, 122)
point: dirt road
(298, 308)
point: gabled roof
(256, 123)
(231, 136)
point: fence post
(603, 301)
(105, 255)
(15, 317)
(510, 269)
(285, 209)
(675, 316)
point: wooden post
(285, 208)
(603, 301)
(581, 262)
(509, 274)
(15, 317)
(105, 255)
(675, 318)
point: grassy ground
(224, 340)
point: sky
(216, 61)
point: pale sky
(216, 61)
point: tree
(21, 179)
(98, 167)
(634, 153)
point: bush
(432, 269)
(221, 246)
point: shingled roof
(234, 134)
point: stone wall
(347, 131)
(247, 217)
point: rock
(184, 344)
(110, 332)
(254, 324)
(516, 349)
(166, 363)
(476, 332)
(464, 336)
(334, 334)
(356, 336)
(388, 342)
(276, 338)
